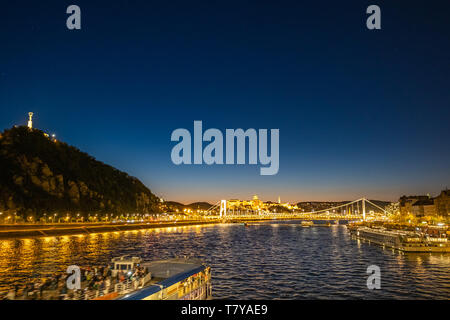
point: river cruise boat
(407, 241)
(307, 223)
(127, 278)
(173, 279)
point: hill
(43, 176)
(309, 206)
(173, 206)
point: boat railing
(145, 279)
(131, 285)
(126, 286)
(120, 288)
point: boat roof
(168, 272)
(390, 232)
(168, 268)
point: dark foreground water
(266, 261)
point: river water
(265, 261)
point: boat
(406, 241)
(131, 278)
(307, 224)
(173, 279)
(328, 224)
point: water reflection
(266, 261)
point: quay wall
(48, 231)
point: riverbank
(58, 230)
(48, 230)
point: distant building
(406, 203)
(442, 203)
(257, 204)
(422, 205)
(423, 208)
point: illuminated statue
(30, 120)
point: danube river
(265, 261)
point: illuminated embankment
(26, 231)
(46, 230)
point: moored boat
(406, 241)
(307, 224)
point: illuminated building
(257, 204)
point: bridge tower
(223, 208)
(364, 208)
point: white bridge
(357, 209)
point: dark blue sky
(360, 112)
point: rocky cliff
(39, 175)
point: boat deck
(161, 274)
(165, 273)
(167, 268)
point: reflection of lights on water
(419, 260)
(399, 258)
(6, 244)
(334, 230)
(93, 235)
(224, 225)
(435, 259)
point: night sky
(360, 112)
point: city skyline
(357, 112)
(271, 198)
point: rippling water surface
(265, 261)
